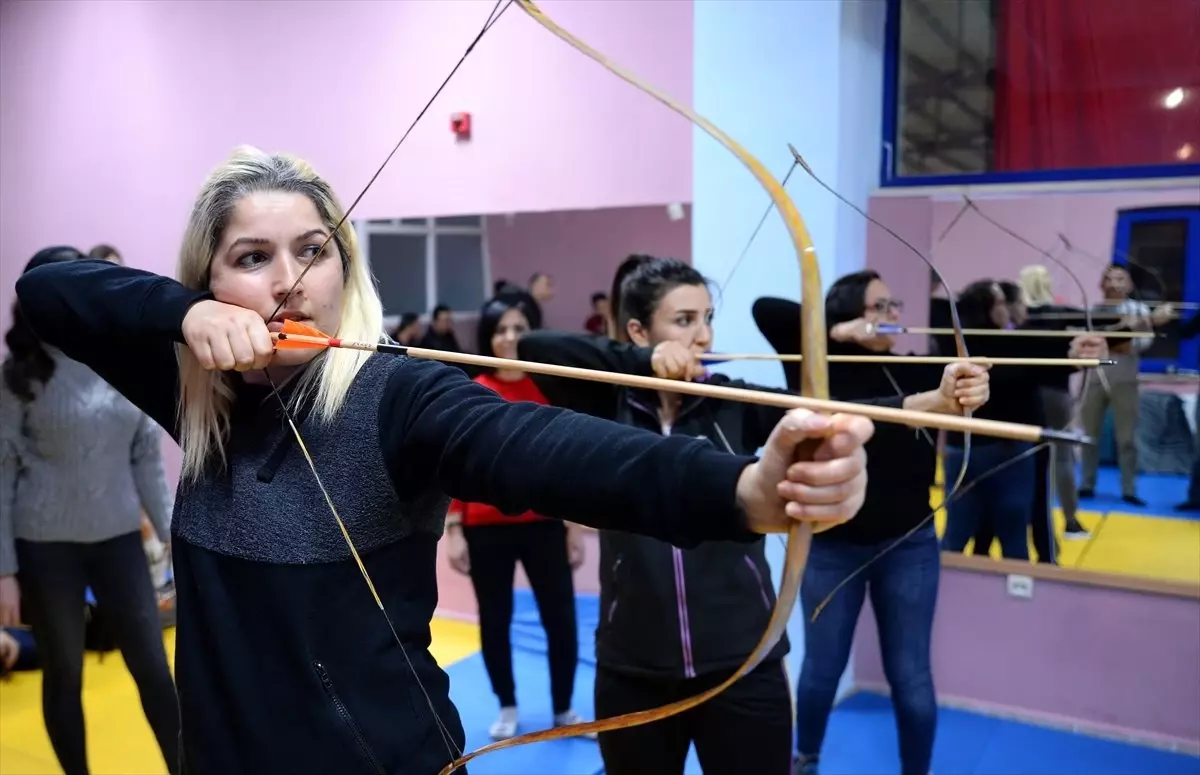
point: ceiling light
(1185, 152)
(1174, 99)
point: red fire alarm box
(460, 124)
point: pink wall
(1110, 660)
(974, 249)
(113, 112)
(581, 249)
(905, 274)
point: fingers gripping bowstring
(447, 737)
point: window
(1018, 90)
(1161, 247)
(422, 262)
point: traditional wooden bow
(814, 384)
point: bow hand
(824, 491)
(965, 386)
(1089, 347)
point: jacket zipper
(762, 588)
(612, 608)
(685, 628)
(327, 685)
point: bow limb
(814, 383)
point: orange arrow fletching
(292, 328)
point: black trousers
(747, 728)
(1045, 543)
(54, 577)
(542, 549)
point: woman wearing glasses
(891, 551)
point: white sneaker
(570, 717)
(504, 727)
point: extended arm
(438, 427)
(122, 323)
(582, 351)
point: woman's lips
(275, 326)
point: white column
(770, 73)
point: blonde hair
(1035, 283)
(206, 397)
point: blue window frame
(1125, 243)
(890, 176)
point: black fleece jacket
(668, 612)
(284, 662)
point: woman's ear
(637, 333)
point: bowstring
(959, 339)
(447, 737)
(946, 501)
(798, 161)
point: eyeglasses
(884, 306)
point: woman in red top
(486, 544)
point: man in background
(1119, 386)
(440, 334)
(597, 324)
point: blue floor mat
(471, 692)
(861, 737)
(1162, 492)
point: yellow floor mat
(119, 739)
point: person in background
(78, 465)
(440, 334)
(106, 253)
(1014, 297)
(675, 621)
(408, 329)
(1055, 393)
(892, 536)
(1119, 387)
(597, 323)
(1002, 499)
(940, 317)
(158, 554)
(541, 290)
(486, 544)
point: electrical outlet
(1020, 586)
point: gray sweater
(79, 463)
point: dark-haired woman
(898, 554)
(486, 544)
(675, 622)
(1002, 500)
(408, 329)
(78, 463)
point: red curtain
(1082, 83)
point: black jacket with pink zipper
(667, 612)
